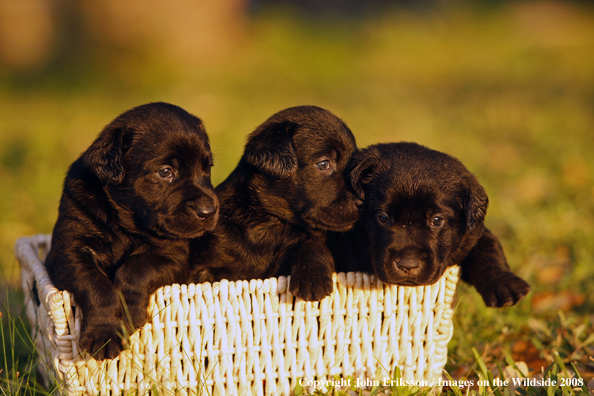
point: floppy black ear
(106, 155)
(270, 149)
(475, 203)
(362, 167)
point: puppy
(287, 191)
(423, 211)
(129, 207)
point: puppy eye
(383, 218)
(437, 221)
(324, 165)
(165, 173)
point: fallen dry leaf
(525, 352)
(556, 301)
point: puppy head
(423, 210)
(298, 157)
(154, 162)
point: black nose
(206, 211)
(408, 263)
(205, 207)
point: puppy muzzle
(205, 208)
(403, 266)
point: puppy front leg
(139, 277)
(311, 266)
(486, 268)
(75, 267)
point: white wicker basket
(247, 337)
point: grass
(18, 373)
(509, 91)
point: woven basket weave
(246, 338)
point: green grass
(510, 92)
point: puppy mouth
(408, 272)
(207, 219)
(188, 222)
(404, 267)
(319, 224)
(338, 221)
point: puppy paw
(138, 315)
(134, 307)
(504, 291)
(310, 286)
(102, 341)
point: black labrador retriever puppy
(129, 207)
(287, 191)
(423, 211)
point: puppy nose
(204, 207)
(408, 263)
(206, 211)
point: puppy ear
(270, 149)
(106, 155)
(475, 203)
(362, 168)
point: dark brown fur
(130, 205)
(423, 211)
(277, 205)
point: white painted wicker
(246, 337)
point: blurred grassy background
(507, 87)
